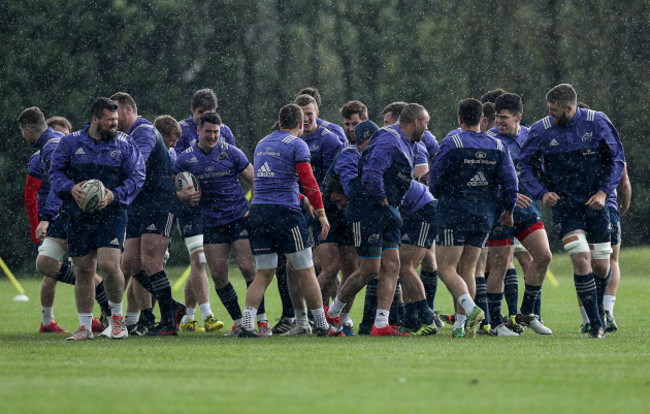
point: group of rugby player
(369, 200)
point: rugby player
(333, 128)
(59, 123)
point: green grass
(566, 372)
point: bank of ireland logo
(481, 155)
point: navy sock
(228, 297)
(162, 291)
(283, 287)
(144, 281)
(102, 298)
(537, 307)
(66, 275)
(370, 303)
(511, 291)
(494, 306)
(531, 297)
(425, 315)
(430, 282)
(586, 289)
(261, 309)
(601, 287)
(395, 313)
(481, 295)
(411, 318)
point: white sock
(116, 308)
(301, 317)
(381, 318)
(585, 317)
(608, 303)
(86, 320)
(261, 317)
(335, 308)
(131, 318)
(205, 310)
(460, 321)
(47, 315)
(190, 313)
(249, 317)
(319, 318)
(466, 302)
(345, 318)
(237, 322)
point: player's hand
(41, 230)
(550, 199)
(523, 201)
(597, 201)
(307, 205)
(77, 193)
(108, 199)
(324, 223)
(189, 196)
(507, 219)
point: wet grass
(566, 372)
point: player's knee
(576, 243)
(301, 260)
(601, 251)
(543, 259)
(47, 266)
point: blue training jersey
(333, 128)
(323, 147)
(47, 144)
(35, 169)
(190, 136)
(416, 197)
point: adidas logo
(265, 171)
(554, 143)
(115, 242)
(193, 159)
(478, 180)
(80, 151)
(151, 227)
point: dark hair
(492, 96)
(395, 109)
(583, 105)
(411, 112)
(313, 92)
(100, 104)
(124, 99)
(354, 107)
(167, 125)
(489, 112)
(204, 98)
(60, 121)
(32, 117)
(210, 118)
(290, 116)
(562, 94)
(509, 101)
(304, 100)
(470, 110)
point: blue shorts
(189, 223)
(340, 233)
(615, 218)
(374, 227)
(451, 237)
(103, 228)
(419, 229)
(596, 223)
(228, 233)
(277, 229)
(58, 228)
(143, 220)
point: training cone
(21, 298)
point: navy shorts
(340, 233)
(596, 223)
(374, 227)
(148, 220)
(277, 229)
(419, 229)
(228, 233)
(189, 223)
(103, 228)
(58, 228)
(615, 218)
(451, 237)
(524, 219)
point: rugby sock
(116, 308)
(144, 281)
(335, 308)
(345, 317)
(47, 315)
(465, 301)
(190, 314)
(101, 298)
(249, 317)
(601, 287)
(370, 303)
(460, 321)
(86, 320)
(608, 303)
(162, 291)
(205, 309)
(301, 317)
(65, 274)
(586, 288)
(511, 291)
(228, 297)
(131, 318)
(481, 298)
(394, 317)
(531, 297)
(583, 312)
(381, 318)
(425, 314)
(430, 282)
(261, 317)
(261, 310)
(319, 318)
(537, 307)
(283, 288)
(494, 301)
(411, 318)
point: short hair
(491, 96)
(411, 112)
(210, 117)
(470, 110)
(395, 109)
(489, 112)
(32, 117)
(510, 101)
(167, 125)
(59, 121)
(124, 99)
(204, 98)
(583, 105)
(313, 92)
(562, 94)
(100, 104)
(290, 116)
(354, 107)
(304, 100)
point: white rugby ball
(184, 179)
(95, 193)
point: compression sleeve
(309, 184)
(31, 189)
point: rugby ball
(95, 193)
(184, 179)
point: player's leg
(349, 263)
(84, 294)
(419, 317)
(246, 265)
(49, 264)
(500, 256)
(327, 254)
(536, 243)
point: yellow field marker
(181, 281)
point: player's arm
(379, 159)
(60, 183)
(248, 174)
(312, 191)
(509, 187)
(439, 163)
(530, 159)
(135, 172)
(32, 186)
(624, 192)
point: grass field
(566, 372)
